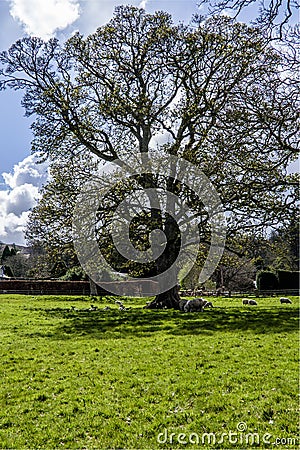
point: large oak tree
(213, 93)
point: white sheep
(248, 301)
(198, 304)
(285, 300)
(121, 306)
(252, 302)
(193, 305)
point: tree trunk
(93, 288)
(168, 299)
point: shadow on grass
(137, 322)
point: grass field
(141, 379)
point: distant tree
(285, 245)
(39, 262)
(14, 263)
(49, 227)
(75, 274)
(214, 89)
(6, 253)
(19, 264)
(8, 271)
(235, 273)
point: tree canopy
(272, 15)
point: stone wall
(39, 287)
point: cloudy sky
(20, 176)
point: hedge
(288, 279)
(281, 280)
(267, 281)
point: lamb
(198, 304)
(252, 302)
(208, 305)
(248, 301)
(121, 306)
(285, 300)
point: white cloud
(43, 17)
(143, 4)
(12, 230)
(21, 198)
(26, 172)
(20, 195)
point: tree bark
(169, 299)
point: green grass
(112, 380)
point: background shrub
(267, 281)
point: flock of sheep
(106, 308)
(249, 301)
(197, 304)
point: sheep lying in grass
(121, 306)
(252, 302)
(245, 301)
(198, 304)
(285, 300)
(248, 301)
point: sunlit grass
(73, 378)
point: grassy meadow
(142, 379)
